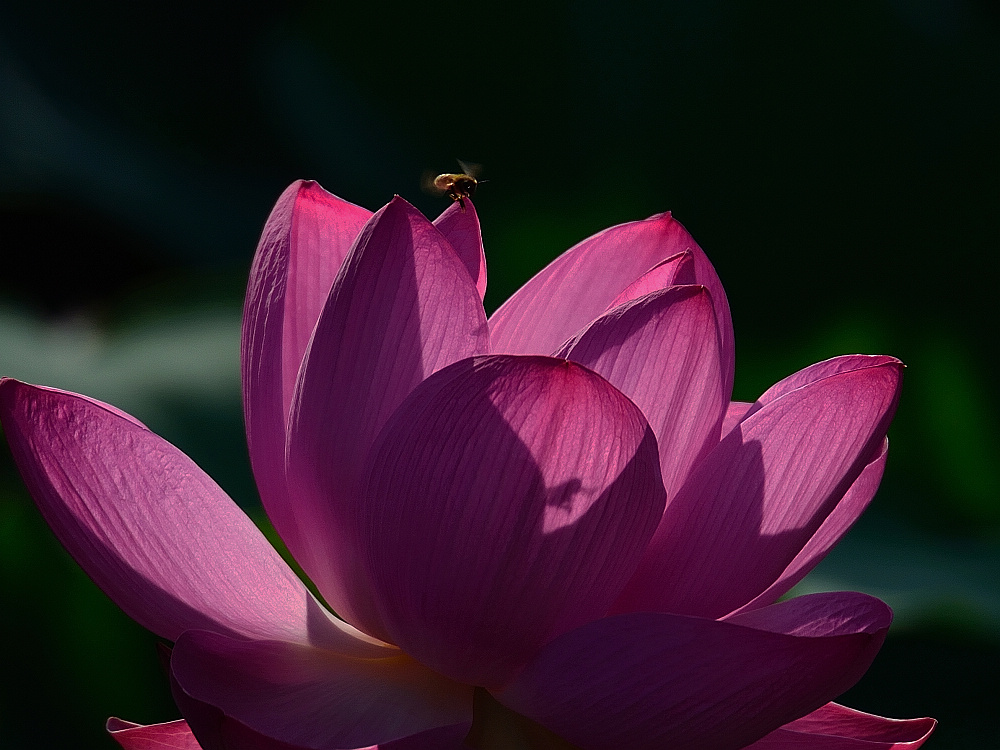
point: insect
(458, 187)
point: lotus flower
(545, 529)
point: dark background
(837, 161)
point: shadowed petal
(831, 531)
(220, 732)
(402, 307)
(650, 680)
(304, 242)
(150, 527)
(461, 229)
(583, 282)
(171, 735)
(310, 697)
(216, 731)
(662, 350)
(439, 738)
(754, 502)
(508, 500)
(836, 727)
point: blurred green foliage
(839, 163)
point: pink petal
(836, 727)
(402, 307)
(676, 270)
(831, 531)
(304, 243)
(754, 502)
(734, 415)
(216, 731)
(663, 352)
(439, 738)
(309, 697)
(819, 371)
(152, 530)
(508, 501)
(172, 735)
(461, 229)
(651, 680)
(584, 281)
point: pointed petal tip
(837, 726)
(7, 383)
(114, 724)
(399, 205)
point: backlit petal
(171, 735)
(304, 242)
(150, 527)
(675, 270)
(819, 371)
(647, 681)
(836, 727)
(754, 502)
(461, 228)
(508, 501)
(831, 531)
(583, 282)
(402, 307)
(662, 350)
(734, 415)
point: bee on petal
(458, 187)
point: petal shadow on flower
(483, 490)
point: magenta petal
(439, 738)
(735, 413)
(152, 529)
(831, 531)
(216, 731)
(402, 307)
(171, 735)
(662, 350)
(508, 500)
(650, 680)
(836, 727)
(583, 282)
(676, 270)
(461, 228)
(315, 698)
(817, 372)
(303, 245)
(753, 503)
